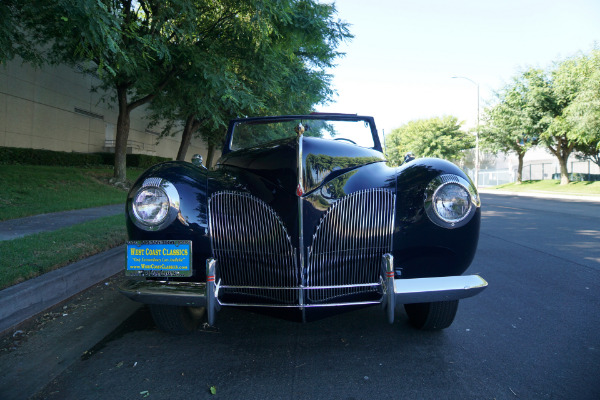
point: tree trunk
(191, 126)
(186, 138)
(123, 122)
(596, 159)
(562, 152)
(520, 168)
(564, 173)
(210, 155)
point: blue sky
(400, 64)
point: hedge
(15, 155)
(579, 176)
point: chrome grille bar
(253, 248)
(258, 264)
(348, 244)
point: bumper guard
(395, 291)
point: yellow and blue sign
(169, 258)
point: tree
(201, 98)
(589, 152)
(127, 43)
(559, 108)
(551, 95)
(583, 112)
(513, 123)
(237, 54)
(208, 86)
(570, 101)
(434, 137)
(275, 65)
(14, 40)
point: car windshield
(255, 133)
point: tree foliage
(513, 124)
(440, 137)
(127, 43)
(14, 40)
(581, 77)
(558, 108)
(273, 65)
(200, 62)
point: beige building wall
(53, 108)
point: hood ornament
(299, 129)
(197, 161)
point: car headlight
(151, 205)
(450, 201)
(155, 204)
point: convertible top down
(302, 218)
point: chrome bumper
(169, 293)
(425, 290)
(396, 291)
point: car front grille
(258, 263)
(254, 253)
(348, 246)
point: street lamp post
(477, 133)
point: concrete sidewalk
(24, 300)
(16, 228)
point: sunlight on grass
(582, 188)
(30, 190)
(31, 256)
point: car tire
(175, 319)
(432, 316)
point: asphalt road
(533, 334)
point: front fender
(191, 222)
(422, 248)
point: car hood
(301, 165)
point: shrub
(14, 155)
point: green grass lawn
(30, 190)
(578, 188)
(30, 256)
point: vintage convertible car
(301, 218)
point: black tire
(176, 320)
(432, 316)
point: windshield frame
(315, 116)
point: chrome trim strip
(302, 264)
(358, 303)
(424, 290)
(299, 163)
(301, 288)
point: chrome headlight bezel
(435, 189)
(171, 205)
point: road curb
(24, 300)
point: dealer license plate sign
(164, 258)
